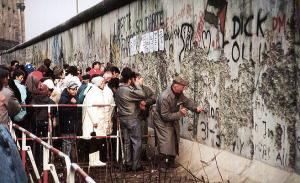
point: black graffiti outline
(218, 143)
(259, 22)
(265, 128)
(186, 40)
(205, 130)
(212, 113)
(242, 28)
(235, 44)
(206, 33)
(298, 142)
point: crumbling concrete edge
(219, 165)
(216, 165)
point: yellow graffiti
(115, 52)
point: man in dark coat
(128, 98)
(171, 106)
(145, 105)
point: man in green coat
(171, 106)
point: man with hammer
(171, 106)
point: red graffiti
(215, 13)
(186, 11)
(200, 28)
(222, 17)
(279, 23)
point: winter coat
(49, 74)
(68, 116)
(97, 115)
(166, 118)
(22, 89)
(150, 100)
(12, 85)
(10, 106)
(127, 100)
(37, 94)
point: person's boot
(172, 162)
(94, 159)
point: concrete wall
(241, 58)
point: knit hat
(72, 84)
(29, 68)
(37, 74)
(49, 83)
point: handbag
(93, 143)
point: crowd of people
(123, 95)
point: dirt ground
(114, 172)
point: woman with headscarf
(38, 94)
(97, 120)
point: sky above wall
(42, 15)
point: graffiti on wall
(122, 42)
(158, 37)
(186, 35)
(241, 28)
(215, 13)
(270, 145)
(57, 50)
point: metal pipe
(80, 171)
(55, 151)
(73, 137)
(23, 154)
(64, 105)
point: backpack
(83, 92)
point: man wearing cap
(171, 106)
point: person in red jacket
(97, 69)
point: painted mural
(240, 57)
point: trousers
(131, 131)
